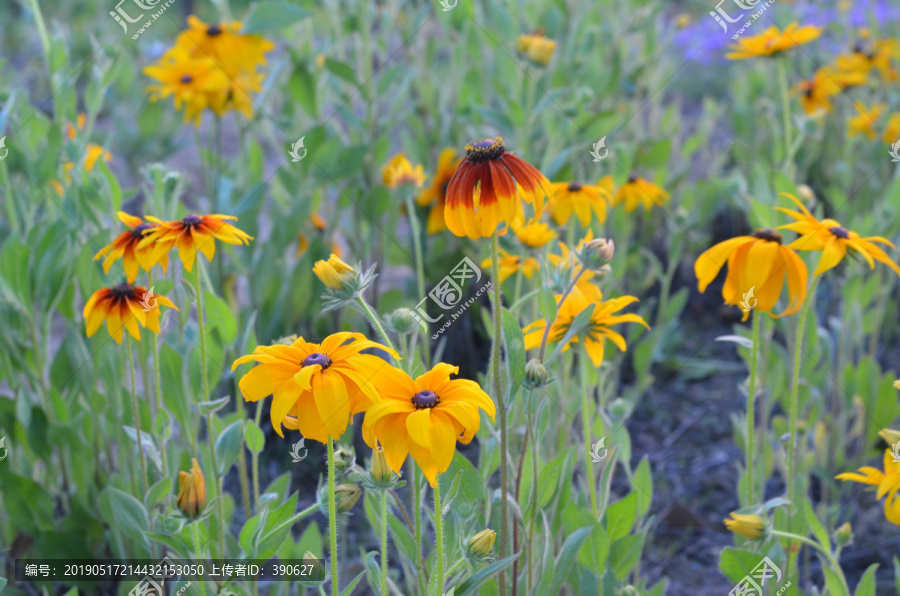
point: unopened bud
(535, 374)
(287, 340)
(480, 544)
(897, 384)
(618, 408)
(403, 320)
(317, 563)
(890, 436)
(844, 535)
(191, 491)
(334, 272)
(380, 471)
(346, 496)
(597, 253)
(344, 459)
(806, 195)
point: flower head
(483, 191)
(833, 240)
(399, 171)
(436, 192)
(865, 120)
(757, 268)
(772, 41)
(580, 199)
(888, 483)
(892, 130)
(535, 235)
(425, 417)
(815, 95)
(191, 490)
(124, 306)
(637, 191)
(334, 272)
(316, 388)
(193, 83)
(191, 234)
(125, 247)
(749, 526)
(232, 51)
(538, 48)
(511, 264)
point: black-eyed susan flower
(888, 483)
(758, 266)
(191, 490)
(580, 199)
(125, 247)
(315, 388)
(124, 307)
(483, 192)
(194, 83)
(535, 235)
(512, 264)
(833, 240)
(815, 95)
(436, 193)
(892, 130)
(192, 234)
(773, 41)
(637, 191)
(598, 329)
(538, 48)
(399, 171)
(231, 50)
(749, 526)
(865, 120)
(878, 56)
(425, 417)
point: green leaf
(547, 304)
(267, 17)
(514, 342)
(220, 317)
(624, 554)
(211, 407)
(229, 446)
(303, 88)
(565, 560)
(833, 580)
(352, 585)
(403, 538)
(736, 563)
(620, 517)
(482, 575)
(373, 572)
(342, 70)
(254, 437)
(866, 585)
(129, 513)
(157, 492)
(816, 526)
(643, 487)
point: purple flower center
(138, 231)
(317, 358)
(214, 30)
(186, 79)
(425, 400)
(485, 150)
(840, 232)
(192, 220)
(122, 291)
(768, 234)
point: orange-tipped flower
(191, 490)
(124, 306)
(125, 247)
(191, 234)
(482, 192)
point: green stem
(586, 423)
(417, 515)
(416, 231)
(373, 318)
(255, 460)
(786, 113)
(332, 519)
(198, 554)
(523, 299)
(157, 385)
(201, 324)
(751, 414)
(501, 405)
(211, 438)
(439, 534)
(384, 551)
(828, 555)
(137, 415)
(449, 572)
(295, 518)
(795, 394)
(42, 32)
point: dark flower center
(574, 186)
(122, 292)
(192, 220)
(840, 232)
(808, 92)
(444, 188)
(768, 234)
(138, 231)
(485, 150)
(632, 179)
(317, 358)
(214, 30)
(187, 79)
(425, 399)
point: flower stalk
(332, 519)
(751, 406)
(137, 416)
(501, 405)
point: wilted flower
(191, 491)
(749, 526)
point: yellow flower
(892, 130)
(586, 296)
(436, 193)
(538, 48)
(890, 436)
(230, 50)
(833, 240)
(191, 234)
(749, 526)
(683, 20)
(92, 153)
(865, 120)
(487, 187)
(399, 171)
(638, 191)
(888, 483)
(580, 199)
(510, 264)
(125, 247)
(334, 272)
(816, 94)
(757, 268)
(315, 388)
(772, 41)
(535, 235)
(124, 306)
(191, 490)
(424, 418)
(193, 83)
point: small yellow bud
(334, 272)
(380, 471)
(480, 544)
(346, 496)
(749, 526)
(891, 437)
(597, 253)
(897, 384)
(191, 491)
(844, 535)
(806, 195)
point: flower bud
(480, 544)
(287, 340)
(891, 437)
(597, 253)
(535, 374)
(844, 535)
(344, 459)
(618, 409)
(749, 526)
(403, 320)
(318, 573)
(334, 273)
(346, 496)
(380, 471)
(806, 195)
(191, 491)
(897, 384)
